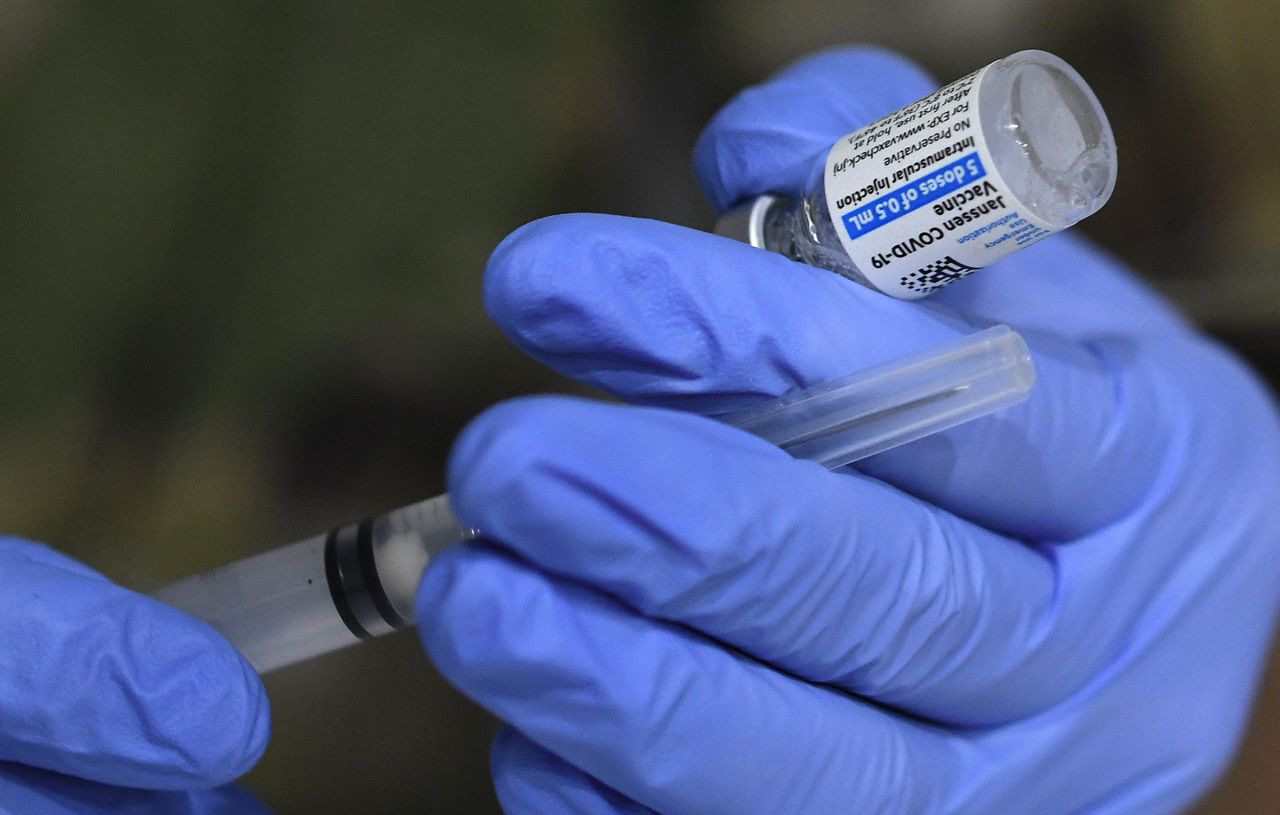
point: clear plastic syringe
(359, 581)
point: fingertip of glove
(529, 470)
(209, 718)
(460, 607)
(895, 78)
(494, 455)
(35, 552)
(500, 630)
(767, 138)
(527, 282)
(116, 687)
(507, 268)
(559, 287)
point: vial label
(917, 200)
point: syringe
(359, 581)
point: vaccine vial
(924, 197)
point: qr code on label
(934, 276)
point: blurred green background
(241, 247)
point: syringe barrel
(359, 581)
(275, 607)
(846, 420)
(323, 593)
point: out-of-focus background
(241, 247)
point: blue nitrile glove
(111, 702)
(1063, 608)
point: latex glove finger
(531, 781)
(105, 684)
(31, 791)
(664, 717)
(840, 580)
(663, 315)
(767, 139)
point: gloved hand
(111, 702)
(1060, 609)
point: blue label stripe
(908, 198)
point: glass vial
(927, 195)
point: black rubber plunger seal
(372, 584)
(337, 578)
(357, 592)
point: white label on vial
(917, 200)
